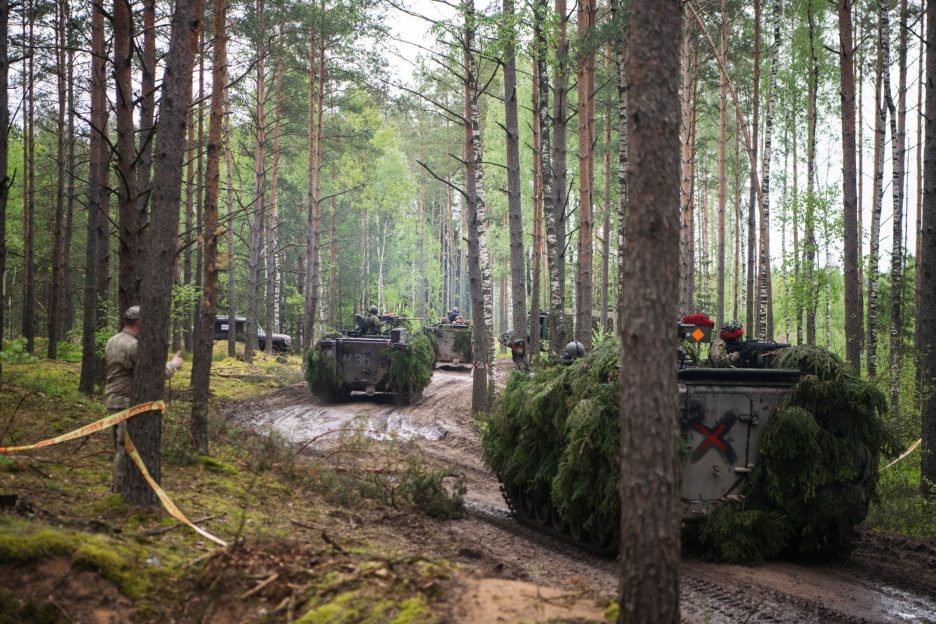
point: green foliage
(736, 534)
(411, 368)
(321, 373)
(557, 431)
(14, 352)
(901, 508)
(436, 492)
(817, 470)
(462, 344)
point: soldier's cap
(132, 313)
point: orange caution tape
(167, 503)
(105, 423)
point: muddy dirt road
(887, 579)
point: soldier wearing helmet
(725, 351)
(453, 314)
(374, 324)
(573, 351)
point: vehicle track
(886, 579)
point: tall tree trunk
(127, 218)
(271, 216)
(722, 173)
(4, 145)
(482, 301)
(333, 292)
(147, 130)
(256, 226)
(229, 218)
(199, 186)
(764, 317)
(316, 63)
(539, 157)
(67, 312)
(927, 267)
(97, 205)
(898, 123)
(736, 272)
(546, 186)
(190, 232)
(162, 240)
(686, 199)
(809, 233)
(421, 256)
(620, 54)
(57, 283)
(29, 193)
(557, 240)
(917, 325)
(587, 16)
(204, 330)
(606, 203)
(514, 211)
(752, 148)
(878, 196)
(853, 328)
(650, 531)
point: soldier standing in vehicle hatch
(725, 351)
(374, 323)
(121, 356)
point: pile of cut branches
(411, 368)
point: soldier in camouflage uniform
(374, 324)
(121, 356)
(725, 351)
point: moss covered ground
(278, 512)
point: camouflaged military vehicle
(452, 344)
(776, 459)
(398, 362)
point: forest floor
(328, 509)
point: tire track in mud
(887, 578)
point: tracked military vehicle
(776, 459)
(397, 362)
(452, 344)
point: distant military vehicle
(452, 344)
(397, 362)
(281, 342)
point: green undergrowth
(817, 472)
(252, 490)
(901, 508)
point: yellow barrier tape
(100, 425)
(167, 503)
(912, 448)
(106, 423)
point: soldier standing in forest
(121, 355)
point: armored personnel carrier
(452, 344)
(781, 459)
(398, 362)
